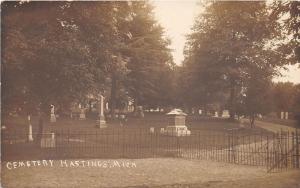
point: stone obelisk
(30, 138)
(101, 123)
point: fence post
(229, 147)
(297, 149)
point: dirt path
(274, 127)
(159, 172)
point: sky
(177, 17)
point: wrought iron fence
(276, 152)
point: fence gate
(285, 152)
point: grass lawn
(80, 138)
(20, 124)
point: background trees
(232, 50)
(58, 52)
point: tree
(149, 58)
(288, 14)
(284, 93)
(257, 95)
(56, 49)
(228, 41)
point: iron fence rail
(276, 152)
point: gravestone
(152, 130)
(176, 124)
(281, 115)
(82, 114)
(225, 114)
(200, 112)
(216, 114)
(30, 138)
(286, 116)
(52, 115)
(101, 123)
(140, 112)
(106, 106)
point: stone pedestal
(101, 123)
(176, 124)
(52, 118)
(225, 114)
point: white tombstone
(286, 115)
(200, 112)
(242, 122)
(101, 123)
(193, 110)
(52, 115)
(281, 115)
(30, 138)
(151, 129)
(216, 114)
(82, 114)
(162, 130)
(225, 114)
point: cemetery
(150, 94)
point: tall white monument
(30, 138)
(101, 123)
(52, 115)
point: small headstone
(162, 130)
(82, 114)
(281, 115)
(216, 114)
(200, 112)
(286, 115)
(140, 112)
(52, 115)
(151, 129)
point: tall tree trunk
(113, 94)
(252, 119)
(232, 102)
(135, 104)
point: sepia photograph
(150, 94)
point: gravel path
(159, 172)
(274, 127)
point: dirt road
(159, 172)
